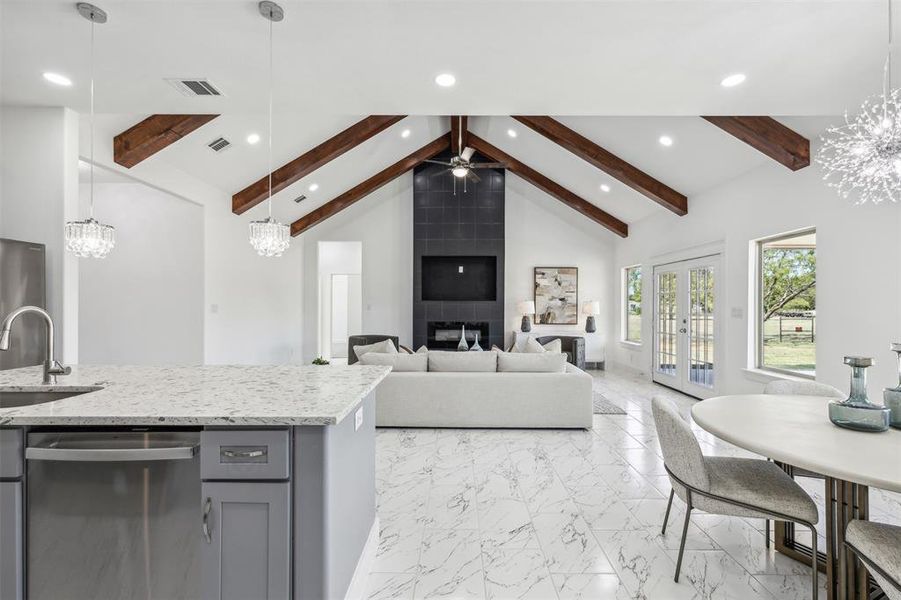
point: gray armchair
(573, 347)
(363, 340)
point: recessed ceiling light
(665, 140)
(512, 133)
(445, 80)
(313, 187)
(405, 133)
(605, 187)
(253, 138)
(58, 79)
(733, 80)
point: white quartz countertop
(194, 395)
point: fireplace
(445, 335)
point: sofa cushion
(383, 347)
(397, 362)
(545, 362)
(466, 362)
(422, 350)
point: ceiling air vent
(219, 144)
(195, 87)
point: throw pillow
(383, 347)
(555, 345)
(422, 350)
(547, 362)
(397, 362)
(533, 347)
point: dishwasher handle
(111, 448)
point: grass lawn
(796, 351)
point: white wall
(383, 222)
(253, 305)
(38, 194)
(858, 265)
(143, 304)
(542, 232)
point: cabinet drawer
(244, 454)
(11, 452)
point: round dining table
(795, 432)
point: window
(632, 304)
(787, 303)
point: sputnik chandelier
(862, 158)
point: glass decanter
(857, 412)
(892, 396)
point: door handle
(205, 523)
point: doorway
(340, 297)
(687, 325)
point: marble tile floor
(564, 515)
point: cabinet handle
(243, 453)
(205, 525)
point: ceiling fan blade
(473, 177)
(467, 153)
(490, 165)
(437, 162)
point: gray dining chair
(878, 546)
(735, 487)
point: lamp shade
(526, 307)
(591, 307)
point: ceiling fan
(461, 166)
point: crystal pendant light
(90, 238)
(269, 237)
(863, 156)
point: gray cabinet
(247, 540)
(11, 528)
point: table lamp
(526, 308)
(591, 308)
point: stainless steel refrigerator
(23, 282)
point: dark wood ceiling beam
(459, 124)
(768, 136)
(311, 160)
(365, 188)
(550, 187)
(607, 162)
(151, 135)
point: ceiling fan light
(460, 172)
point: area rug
(602, 406)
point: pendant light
(863, 156)
(269, 237)
(90, 238)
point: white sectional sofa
(482, 389)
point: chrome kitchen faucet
(52, 367)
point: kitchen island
(198, 481)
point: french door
(686, 325)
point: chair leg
(815, 561)
(669, 505)
(684, 535)
(766, 533)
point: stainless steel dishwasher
(113, 515)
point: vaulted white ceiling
(607, 57)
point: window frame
(758, 302)
(624, 337)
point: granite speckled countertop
(194, 395)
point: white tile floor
(552, 514)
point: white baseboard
(357, 588)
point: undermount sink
(18, 398)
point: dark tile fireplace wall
(465, 224)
